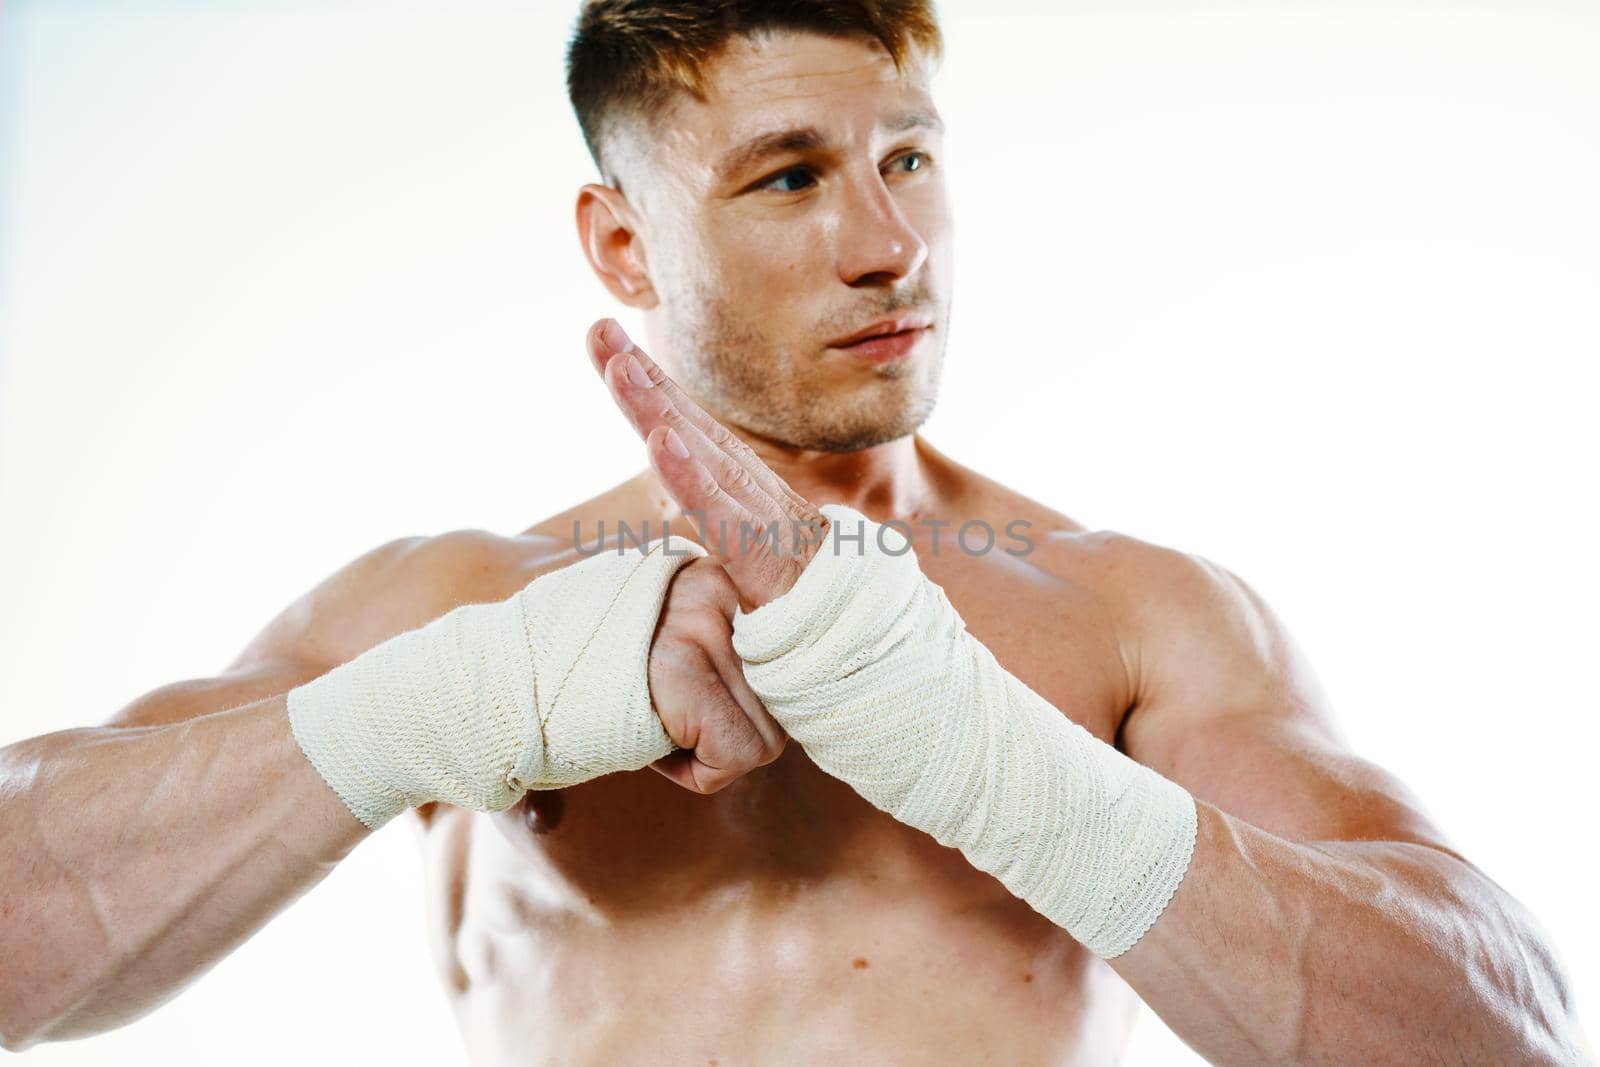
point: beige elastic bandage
(867, 665)
(546, 688)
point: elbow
(19, 999)
(18, 1034)
(1512, 997)
(1552, 1035)
(1503, 962)
(18, 1030)
(37, 1005)
(60, 1013)
(1553, 1018)
(15, 1036)
(1532, 997)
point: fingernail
(614, 337)
(636, 373)
(675, 445)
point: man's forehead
(761, 84)
(784, 66)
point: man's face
(762, 260)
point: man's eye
(918, 161)
(921, 159)
(791, 172)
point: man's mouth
(886, 339)
(886, 347)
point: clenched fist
(721, 728)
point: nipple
(543, 808)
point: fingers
(679, 767)
(645, 395)
(694, 487)
(760, 573)
(722, 729)
(649, 397)
(726, 746)
(717, 477)
(730, 668)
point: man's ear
(608, 228)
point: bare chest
(785, 904)
(617, 842)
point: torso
(784, 918)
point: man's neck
(901, 479)
(894, 479)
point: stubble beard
(759, 384)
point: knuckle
(737, 450)
(739, 478)
(749, 749)
(775, 749)
(744, 453)
(696, 579)
(679, 656)
(707, 632)
(777, 571)
(711, 596)
(715, 602)
(722, 437)
(714, 577)
(706, 483)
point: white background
(1310, 289)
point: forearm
(132, 859)
(1265, 950)
(1274, 951)
(866, 664)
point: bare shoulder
(1051, 540)
(409, 581)
(636, 503)
(397, 586)
(1196, 631)
(1226, 701)
(1162, 589)
(1200, 642)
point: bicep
(1229, 707)
(1286, 776)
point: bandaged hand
(868, 666)
(544, 689)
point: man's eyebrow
(799, 139)
(911, 120)
(807, 139)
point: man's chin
(869, 434)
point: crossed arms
(1321, 919)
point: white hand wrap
(866, 664)
(546, 688)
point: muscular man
(773, 192)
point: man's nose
(877, 245)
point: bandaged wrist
(544, 689)
(867, 665)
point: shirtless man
(730, 902)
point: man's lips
(883, 326)
(886, 347)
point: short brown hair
(628, 57)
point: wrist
(868, 666)
(543, 689)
